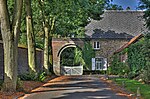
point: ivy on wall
(88, 54)
(138, 60)
(146, 52)
(136, 57)
(117, 67)
(76, 56)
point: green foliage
(19, 84)
(133, 74)
(23, 33)
(71, 57)
(78, 57)
(23, 39)
(88, 54)
(10, 8)
(71, 16)
(1, 82)
(27, 77)
(136, 59)
(145, 4)
(41, 77)
(128, 8)
(32, 77)
(146, 52)
(117, 67)
(113, 7)
(139, 60)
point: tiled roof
(120, 24)
(98, 33)
(133, 40)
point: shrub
(136, 57)
(138, 63)
(117, 67)
(27, 77)
(41, 77)
(32, 77)
(1, 82)
(71, 57)
(19, 84)
(139, 60)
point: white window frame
(96, 45)
(99, 64)
(94, 63)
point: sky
(125, 3)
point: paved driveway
(74, 87)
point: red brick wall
(58, 44)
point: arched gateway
(58, 46)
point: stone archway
(65, 47)
(58, 45)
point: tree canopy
(113, 7)
(145, 5)
(71, 16)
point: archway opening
(69, 57)
(71, 61)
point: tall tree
(10, 30)
(69, 18)
(113, 7)
(128, 8)
(145, 4)
(30, 38)
(48, 25)
(64, 18)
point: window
(99, 63)
(96, 45)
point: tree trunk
(16, 24)
(30, 39)
(10, 42)
(50, 43)
(46, 39)
(47, 33)
(46, 49)
(47, 44)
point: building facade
(106, 36)
(115, 29)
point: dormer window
(96, 45)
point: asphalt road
(74, 87)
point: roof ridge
(129, 43)
(123, 11)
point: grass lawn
(132, 86)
